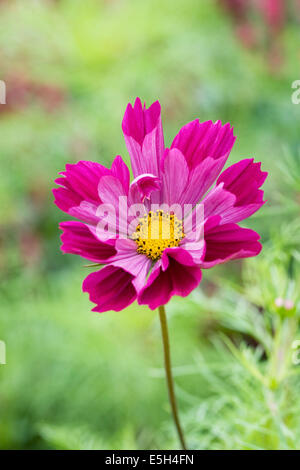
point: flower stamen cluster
(157, 231)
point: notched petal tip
(198, 141)
(139, 120)
(142, 129)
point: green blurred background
(75, 379)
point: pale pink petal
(237, 194)
(201, 178)
(174, 177)
(218, 201)
(117, 207)
(113, 222)
(238, 213)
(135, 263)
(193, 223)
(110, 190)
(221, 202)
(85, 211)
(195, 248)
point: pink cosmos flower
(153, 269)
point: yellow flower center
(157, 231)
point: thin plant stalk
(169, 377)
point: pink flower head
(159, 251)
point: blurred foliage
(76, 379)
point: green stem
(280, 363)
(169, 377)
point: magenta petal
(78, 238)
(139, 121)
(65, 198)
(110, 289)
(143, 135)
(198, 141)
(171, 279)
(243, 179)
(110, 190)
(178, 254)
(227, 242)
(82, 179)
